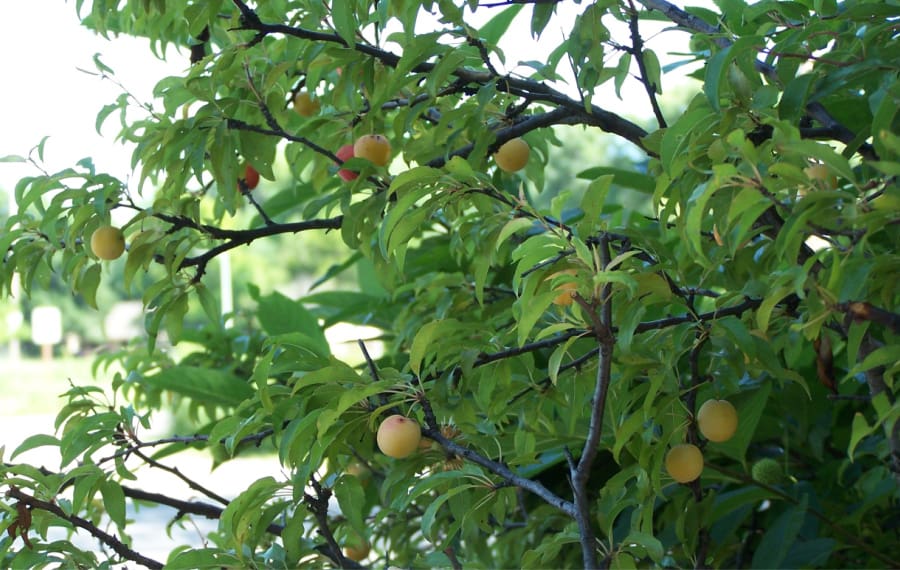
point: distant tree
(553, 356)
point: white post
(225, 287)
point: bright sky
(46, 94)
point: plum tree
(727, 201)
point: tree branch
(117, 545)
(177, 473)
(877, 385)
(244, 237)
(432, 430)
(637, 50)
(690, 397)
(536, 91)
(318, 504)
(602, 325)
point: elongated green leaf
(281, 315)
(33, 441)
(423, 340)
(114, 502)
(777, 541)
(344, 21)
(497, 26)
(202, 384)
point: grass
(32, 386)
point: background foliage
(743, 248)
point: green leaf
(654, 73)
(807, 149)
(280, 315)
(860, 429)
(764, 313)
(195, 558)
(114, 502)
(33, 441)
(540, 17)
(344, 21)
(424, 339)
(496, 27)
(676, 138)
(621, 177)
(777, 541)
(430, 515)
(351, 497)
(793, 100)
(594, 198)
(883, 356)
(202, 384)
(511, 227)
(651, 545)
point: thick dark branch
(563, 115)
(318, 504)
(534, 90)
(863, 311)
(484, 359)
(114, 543)
(734, 310)
(244, 237)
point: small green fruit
(767, 471)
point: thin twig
(432, 430)
(637, 50)
(177, 473)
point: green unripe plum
(767, 471)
